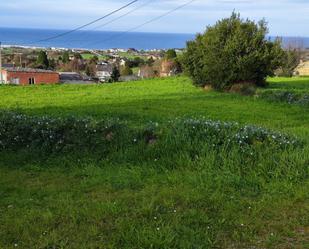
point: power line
(87, 24)
(124, 15)
(119, 17)
(145, 23)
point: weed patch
(289, 97)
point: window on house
(31, 81)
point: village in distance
(28, 66)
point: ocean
(93, 39)
(107, 39)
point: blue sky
(285, 17)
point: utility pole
(1, 76)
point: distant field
(127, 55)
(89, 56)
(176, 193)
(300, 83)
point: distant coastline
(101, 40)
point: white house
(104, 72)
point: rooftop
(27, 70)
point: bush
(232, 51)
(290, 62)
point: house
(122, 62)
(70, 76)
(74, 78)
(28, 76)
(8, 65)
(168, 68)
(147, 72)
(102, 62)
(302, 69)
(104, 72)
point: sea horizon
(88, 39)
(101, 40)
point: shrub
(290, 62)
(232, 51)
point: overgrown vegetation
(290, 97)
(289, 63)
(58, 135)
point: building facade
(27, 76)
(104, 72)
(302, 69)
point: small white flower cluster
(253, 135)
(218, 133)
(53, 134)
(292, 98)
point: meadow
(180, 173)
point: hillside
(174, 170)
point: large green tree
(171, 54)
(66, 57)
(232, 51)
(115, 74)
(42, 60)
(126, 70)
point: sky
(285, 17)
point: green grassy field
(176, 196)
(90, 56)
